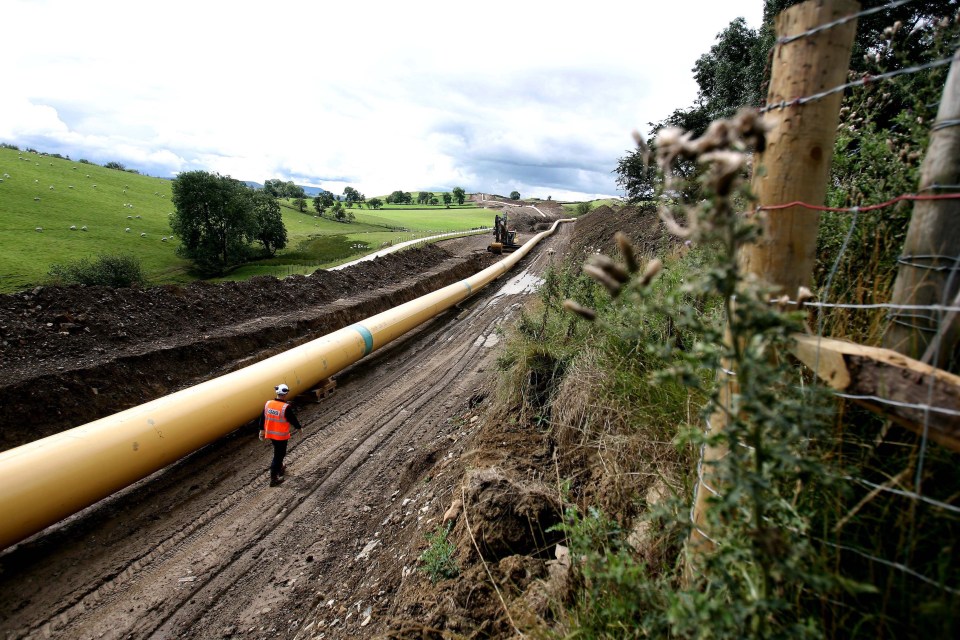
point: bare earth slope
(204, 549)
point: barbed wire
(867, 79)
(840, 21)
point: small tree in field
(514, 195)
(214, 220)
(270, 230)
(459, 195)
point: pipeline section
(47, 480)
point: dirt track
(204, 549)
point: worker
(275, 425)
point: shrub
(108, 271)
(583, 207)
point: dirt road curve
(204, 549)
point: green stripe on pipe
(469, 288)
(367, 337)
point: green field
(55, 194)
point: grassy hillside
(56, 194)
(126, 213)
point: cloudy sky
(491, 96)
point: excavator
(504, 239)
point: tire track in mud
(392, 427)
(231, 536)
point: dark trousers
(279, 451)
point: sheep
(37, 199)
(138, 217)
(6, 175)
(51, 187)
(74, 168)
(127, 230)
(73, 227)
(163, 239)
(83, 228)
(88, 175)
(36, 181)
(39, 229)
(143, 235)
(129, 217)
(69, 186)
(94, 186)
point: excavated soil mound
(53, 324)
(595, 231)
(73, 354)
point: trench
(60, 401)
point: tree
(375, 203)
(214, 219)
(338, 211)
(583, 208)
(280, 189)
(270, 230)
(115, 165)
(447, 199)
(637, 176)
(514, 195)
(323, 201)
(300, 204)
(459, 195)
(424, 197)
(351, 195)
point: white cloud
(380, 95)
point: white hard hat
(282, 389)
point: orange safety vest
(275, 423)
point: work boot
(275, 480)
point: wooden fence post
(794, 167)
(931, 273)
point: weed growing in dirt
(438, 561)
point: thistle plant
(760, 562)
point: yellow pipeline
(50, 479)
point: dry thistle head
(724, 168)
(751, 128)
(603, 278)
(642, 146)
(671, 144)
(611, 268)
(653, 268)
(626, 250)
(584, 312)
(804, 296)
